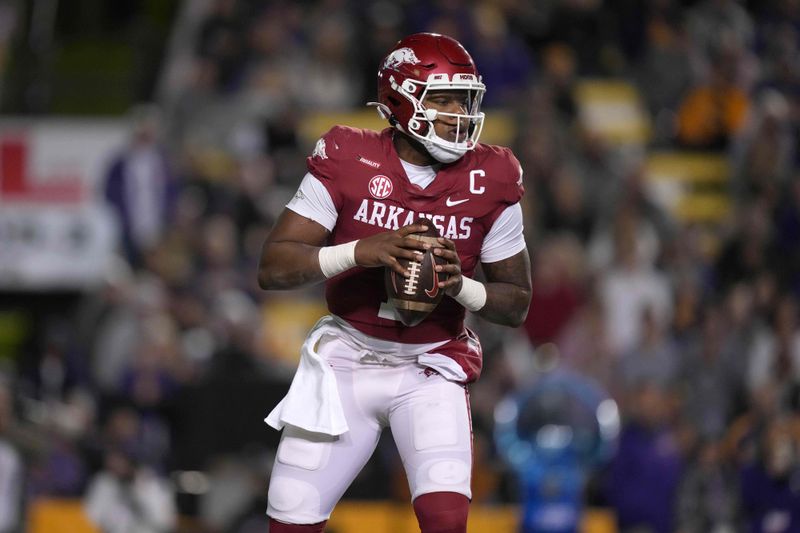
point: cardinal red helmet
(426, 62)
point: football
(416, 296)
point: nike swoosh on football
(451, 203)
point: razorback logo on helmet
(380, 187)
(400, 57)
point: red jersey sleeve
(505, 179)
(325, 162)
(514, 186)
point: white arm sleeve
(312, 200)
(505, 238)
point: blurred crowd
(693, 328)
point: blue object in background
(553, 433)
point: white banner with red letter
(56, 231)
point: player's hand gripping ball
(416, 296)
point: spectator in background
(11, 467)
(56, 368)
(218, 256)
(782, 72)
(236, 326)
(717, 24)
(774, 355)
(327, 79)
(787, 235)
(544, 141)
(632, 284)
(603, 179)
(686, 317)
(741, 325)
(742, 439)
(767, 290)
(765, 160)
(708, 498)
(564, 206)
(237, 495)
(747, 253)
(770, 494)
(504, 60)
(58, 467)
(220, 48)
(442, 16)
(777, 33)
(558, 78)
(149, 384)
(626, 225)
(586, 27)
(381, 27)
(708, 382)
(127, 498)
(120, 329)
(654, 359)
(643, 477)
(712, 114)
(663, 70)
(557, 289)
(585, 342)
(140, 187)
(274, 49)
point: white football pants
(430, 421)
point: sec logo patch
(380, 187)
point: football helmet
(417, 65)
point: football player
(361, 369)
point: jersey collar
(441, 184)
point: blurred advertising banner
(55, 229)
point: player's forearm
(289, 265)
(505, 296)
(506, 304)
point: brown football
(416, 296)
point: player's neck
(412, 151)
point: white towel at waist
(312, 402)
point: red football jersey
(369, 187)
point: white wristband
(336, 259)
(472, 294)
